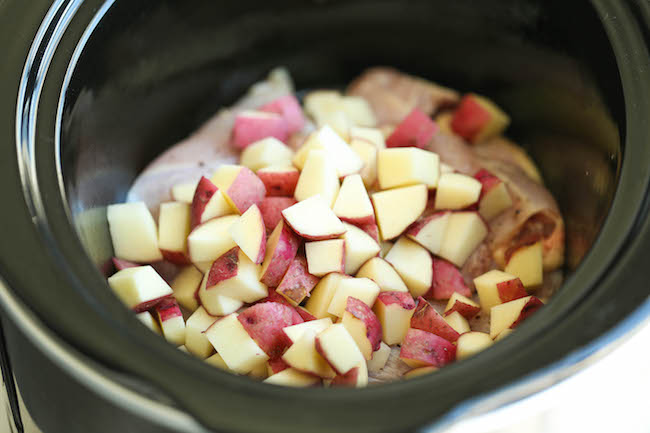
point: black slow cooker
(92, 90)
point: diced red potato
(527, 263)
(364, 289)
(171, 321)
(464, 234)
(421, 348)
(297, 282)
(396, 209)
(339, 349)
(277, 365)
(318, 177)
(414, 265)
(302, 356)
(471, 343)
(186, 287)
(326, 139)
(446, 281)
(294, 378)
(321, 296)
(511, 290)
(123, 264)
(280, 181)
(240, 186)
(407, 166)
(348, 379)
(272, 207)
(252, 126)
(352, 203)
(355, 378)
(235, 276)
(359, 248)
(173, 228)
(140, 288)
(204, 191)
(477, 118)
(511, 314)
(457, 191)
(266, 153)
(281, 249)
(306, 315)
(429, 231)
(249, 233)
(415, 130)
(495, 197)
(313, 219)
(394, 311)
(382, 273)
(372, 230)
(324, 257)
(363, 326)
(183, 192)
(289, 108)
(210, 240)
(195, 340)
(264, 323)
(463, 305)
(428, 319)
(133, 232)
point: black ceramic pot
(93, 90)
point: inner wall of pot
(153, 71)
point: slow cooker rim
(239, 383)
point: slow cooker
(93, 90)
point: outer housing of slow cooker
(42, 258)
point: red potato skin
(415, 130)
(529, 309)
(246, 190)
(427, 348)
(176, 257)
(247, 130)
(371, 229)
(224, 268)
(322, 353)
(279, 183)
(511, 290)
(427, 319)
(264, 323)
(297, 283)
(168, 309)
(277, 365)
(469, 118)
(271, 209)
(151, 304)
(306, 315)
(205, 189)
(274, 297)
(465, 310)
(123, 264)
(283, 254)
(447, 279)
(364, 313)
(422, 222)
(348, 379)
(289, 108)
(403, 299)
(488, 181)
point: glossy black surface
(153, 70)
